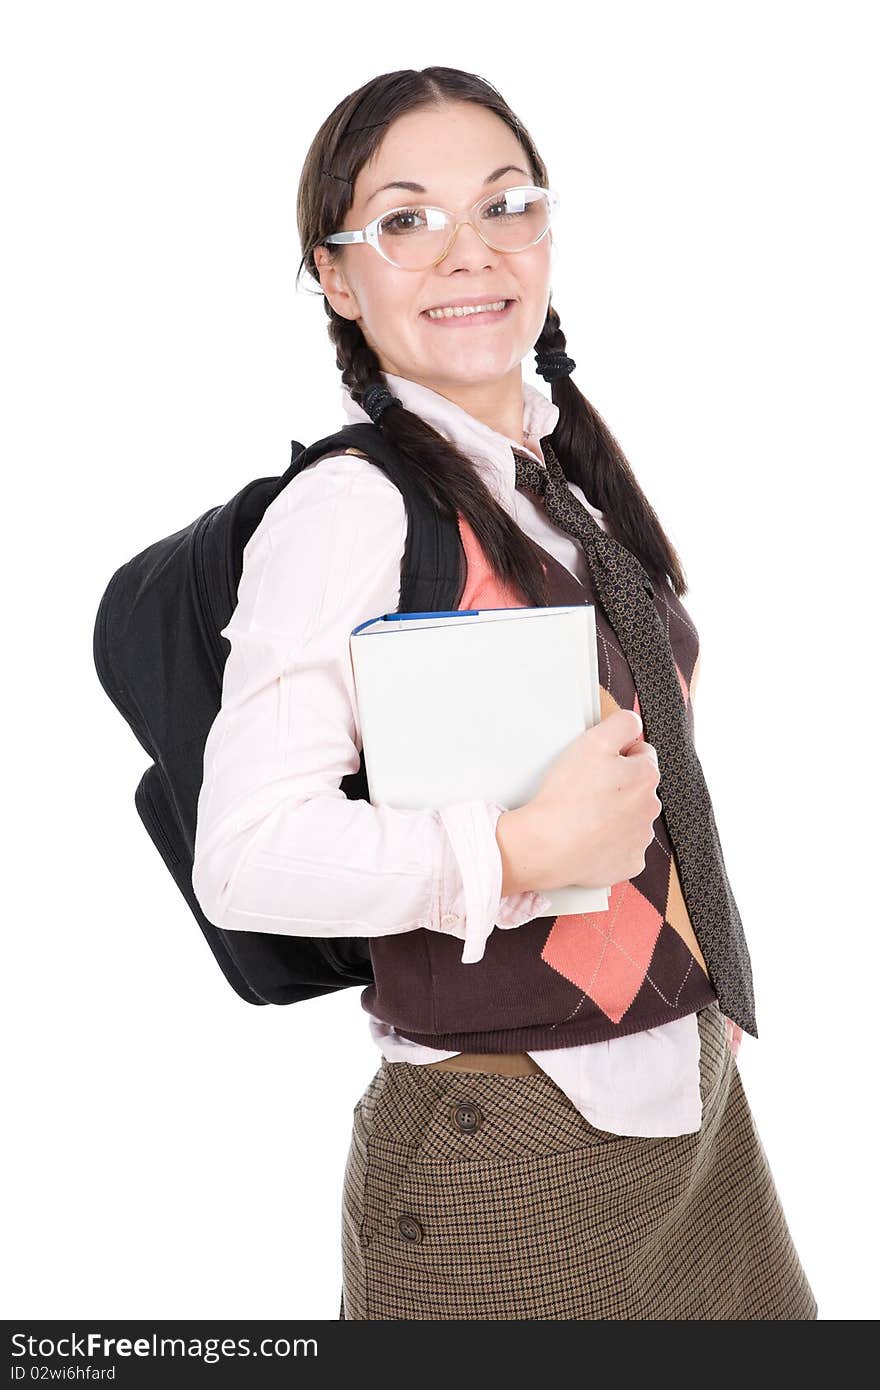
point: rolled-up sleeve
(279, 847)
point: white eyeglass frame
(370, 233)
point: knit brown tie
(627, 597)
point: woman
(557, 1128)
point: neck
(498, 404)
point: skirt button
(468, 1116)
(409, 1228)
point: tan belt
(504, 1063)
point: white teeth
(462, 309)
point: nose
(468, 247)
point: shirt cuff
(470, 829)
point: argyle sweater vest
(557, 981)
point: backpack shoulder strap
(434, 567)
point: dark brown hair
(586, 448)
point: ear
(334, 284)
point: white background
(171, 1151)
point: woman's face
(449, 151)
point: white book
(476, 704)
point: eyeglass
(417, 237)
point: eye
(500, 209)
(402, 220)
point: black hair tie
(551, 363)
(377, 399)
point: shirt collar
(489, 449)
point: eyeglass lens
(414, 237)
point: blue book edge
(441, 613)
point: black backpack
(159, 655)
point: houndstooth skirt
(481, 1196)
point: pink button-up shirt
(280, 848)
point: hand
(591, 820)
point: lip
(465, 303)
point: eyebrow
(419, 188)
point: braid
(355, 358)
(591, 457)
(448, 477)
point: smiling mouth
(492, 311)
